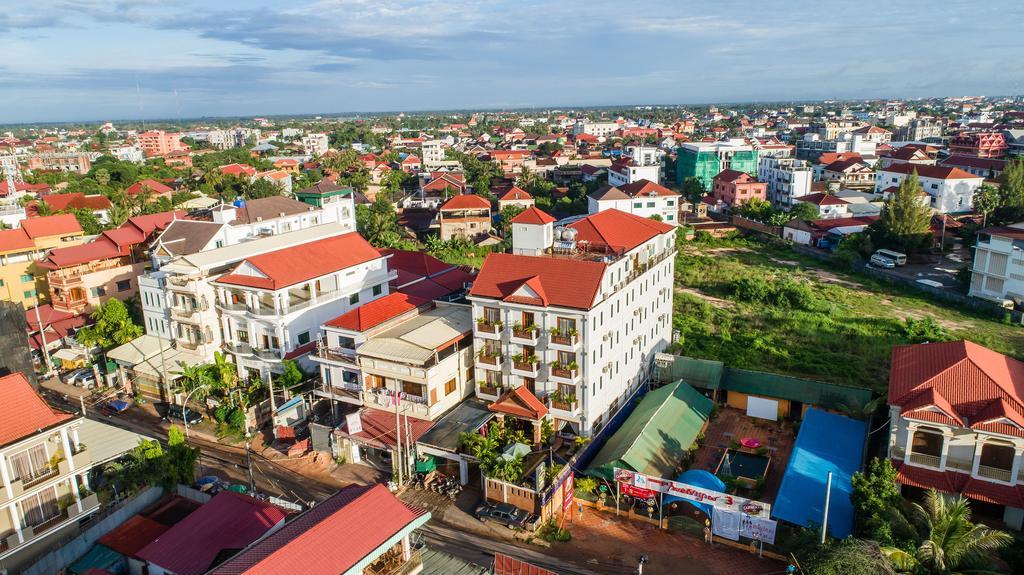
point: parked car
(880, 261)
(504, 513)
(83, 377)
(182, 413)
(115, 407)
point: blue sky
(91, 60)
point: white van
(880, 261)
(896, 257)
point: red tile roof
(646, 188)
(466, 202)
(982, 387)
(515, 193)
(23, 187)
(955, 483)
(618, 230)
(935, 172)
(131, 536)
(304, 262)
(728, 175)
(77, 200)
(100, 249)
(533, 216)
(566, 282)
(331, 538)
(376, 312)
(414, 263)
(520, 402)
(820, 199)
(230, 521)
(153, 186)
(237, 169)
(45, 226)
(24, 411)
(15, 240)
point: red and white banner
(691, 492)
(638, 492)
(568, 491)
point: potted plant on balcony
(524, 331)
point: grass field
(828, 324)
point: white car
(880, 261)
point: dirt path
(715, 301)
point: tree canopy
(112, 326)
(905, 222)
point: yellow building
(21, 280)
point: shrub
(925, 330)
(585, 485)
(752, 289)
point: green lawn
(843, 329)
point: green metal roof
(824, 395)
(700, 373)
(657, 434)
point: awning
(467, 417)
(106, 442)
(654, 438)
(68, 354)
(138, 350)
(171, 362)
(826, 442)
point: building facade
(578, 324)
(159, 142)
(997, 271)
(950, 190)
(21, 249)
(705, 160)
(786, 179)
(641, 198)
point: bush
(925, 330)
(585, 485)
(551, 532)
(754, 290)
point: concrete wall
(67, 553)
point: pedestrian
(579, 507)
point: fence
(65, 553)
(754, 225)
(194, 494)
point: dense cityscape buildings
(245, 334)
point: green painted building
(705, 160)
(323, 192)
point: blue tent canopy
(697, 478)
(826, 442)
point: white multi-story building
(273, 304)
(576, 325)
(787, 178)
(315, 144)
(951, 189)
(177, 296)
(420, 349)
(640, 163)
(432, 152)
(955, 423)
(997, 273)
(598, 129)
(642, 198)
(131, 154)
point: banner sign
(725, 523)
(354, 423)
(638, 492)
(692, 493)
(568, 492)
(758, 528)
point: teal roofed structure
(322, 192)
(657, 434)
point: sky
(71, 60)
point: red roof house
(158, 189)
(376, 312)
(25, 412)
(289, 266)
(228, 523)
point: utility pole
(248, 462)
(42, 340)
(828, 496)
(398, 435)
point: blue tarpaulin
(697, 478)
(826, 442)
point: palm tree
(224, 374)
(195, 379)
(948, 542)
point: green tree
(378, 223)
(986, 200)
(804, 211)
(504, 227)
(848, 557)
(291, 376)
(947, 542)
(112, 326)
(102, 176)
(905, 221)
(692, 190)
(43, 208)
(180, 459)
(88, 221)
(1011, 193)
(875, 496)
(195, 379)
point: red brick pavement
(609, 544)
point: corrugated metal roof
(415, 341)
(655, 436)
(700, 373)
(825, 395)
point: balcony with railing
(925, 459)
(525, 365)
(347, 392)
(489, 359)
(565, 372)
(490, 391)
(488, 329)
(1004, 475)
(73, 275)
(563, 404)
(392, 562)
(565, 339)
(527, 335)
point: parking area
(939, 273)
